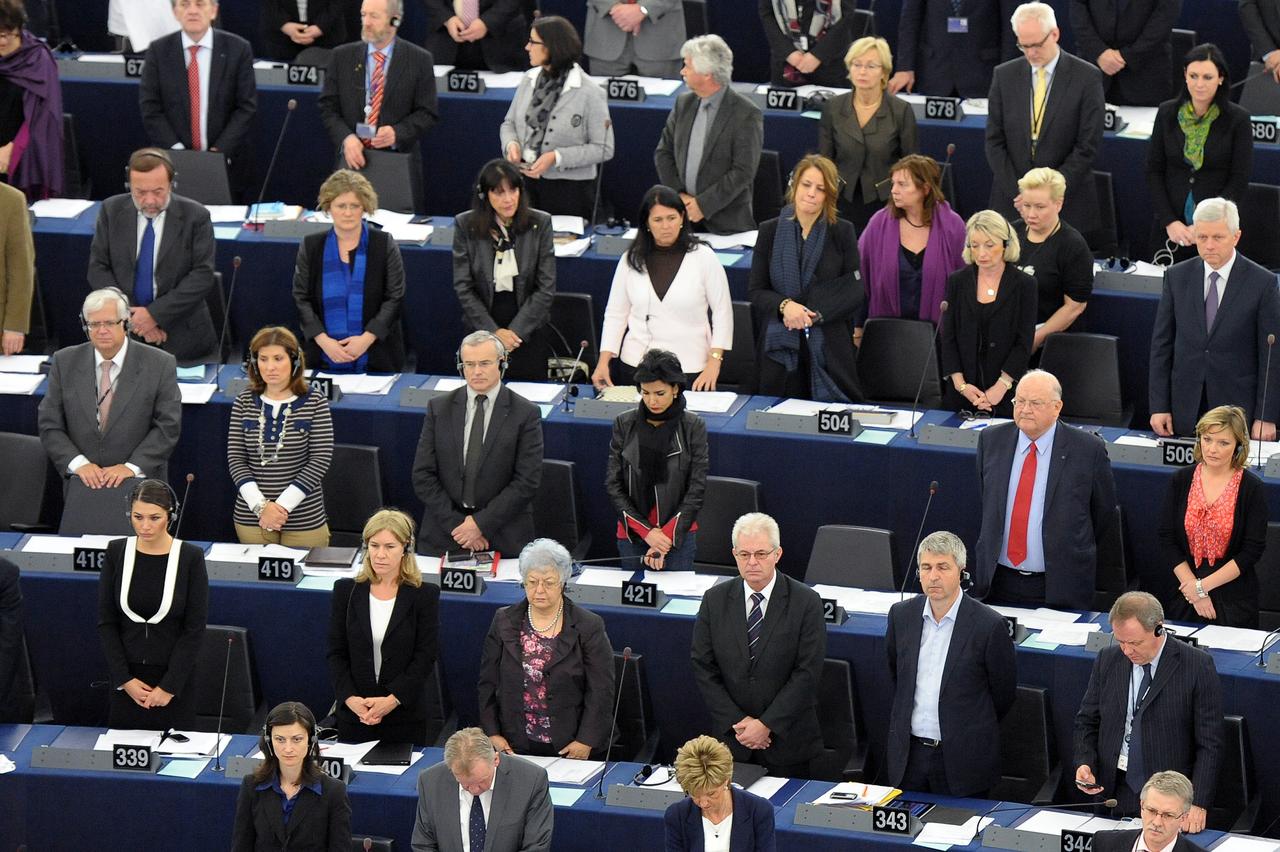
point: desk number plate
(1178, 453)
(622, 89)
(131, 757)
(783, 100)
(133, 63)
(1266, 130)
(1077, 841)
(890, 820)
(304, 75)
(460, 581)
(88, 559)
(639, 594)
(835, 423)
(942, 109)
(276, 569)
(466, 82)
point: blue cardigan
(752, 824)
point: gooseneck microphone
(226, 314)
(1262, 652)
(1020, 806)
(613, 725)
(1262, 415)
(906, 575)
(568, 387)
(257, 209)
(222, 706)
(182, 507)
(930, 357)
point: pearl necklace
(552, 626)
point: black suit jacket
(829, 49)
(752, 829)
(183, 270)
(408, 653)
(408, 99)
(1122, 841)
(503, 44)
(1228, 162)
(328, 15)
(1070, 134)
(1011, 328)
(383, 295)
(1181, 718)
(579, 678)
(946, 62)
(781, 687)
(979, 684)
(1140, 30)
(1079, 504)
(1227, 363)
(510, 472)
(535, 285)
(10, 635)
(318, 823)
(1261, 19)
(166, 103)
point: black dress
(983, 341)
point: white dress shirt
(715, 838)
(1224, 272)
(205, 58)
(935, 641)
(489, 399)
(767, 591)
(464, 811)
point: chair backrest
(397, 178)
(242, 695)
(573, 320)
(1268, 571)
(1180, 43)
(30, 476)
(1236, 793)
(1113, 563)
(559, 509)
(739, 370)
(1261, 204)
(766, 194)
(1027, 755)
(1088, 367)
(863, 24)
(352, 492)
(440, 721)
(695, 18)
(1261, 95)
(95, 511)
(1105, 241)
(726, 500)
(838, 720)
(202, 176)
(636, 738)
(892, 355)
(315, 56)
(76, 183)
(216, 301)
(18, 698)
(857, 557)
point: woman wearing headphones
(504, 269)
(288, 803)
(279, 445)
(382, 638)
(153, 599)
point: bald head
(1037, 403)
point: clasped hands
(460, 32)
(353, 147)
(802, 61)
(348, 349)
(371, 711)
(659, 546)
(627, 16)
(145, 326)
(304, 34)
(146, 696)
(1203, 606)
(752, 733)
(103, 477)
(273, 517)
(467, 534)
(574, 750)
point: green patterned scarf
(1196, 129)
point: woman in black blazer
(1214, 526)
(348, 284)
(988, 330)
(287, 802)
(504, 269)
(1201, 147)
(704, 770)
(546, 675)
(153, 600)
(806, 289)
(383, 632)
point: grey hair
(98, 299)
(1170, 783)
(756, 523)
(1055, 386)
(1041, 12)
(1140, 605)
(546, 553)
(710, 54)
(466, 746)
(1217, 210)
(944, 543)
(476, 338)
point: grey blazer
(183, 272)
(535, 285)
(520, 817)
(660, 36)
(864, 154)
(730, 158)
(579, 129)
(146, 412)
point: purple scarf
(879, 245)
(36, 165)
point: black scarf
(655, 441)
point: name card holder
(57, 757)
(588, 596)
(841, 818)
(932, 434)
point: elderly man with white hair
(1209, 346)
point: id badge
(366, 131)
(1123, 763)
(957, 25)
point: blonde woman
(1053, 253)
(717, 817)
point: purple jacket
(878, 250)
(36, 164)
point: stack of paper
(198, 743)
(362, 383)
(410, 233)
(19, 384)
(1068, 634)
(860, 795)
(249, 553)
(610, 578)
(564, 770)
(274, 211)
(196, 394)
(1232, 638)
(1039, 618)
(573, 248)
(60, 208)
(721, 242)
(65, 544)
(686, 583)
(500, 80)
(568, 225)
(940, 835)
(861, 600)
(710, 402)
(1053, 822)
(22, 363)
(227, 213)
(537, 391)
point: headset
(395, 21)
(1165, 256)
(516, 180)
(1158, 630)
(295, 360)
(490, 337)
(304, 717)
(966, 579)
(84, 323)
(165, 160)
(175, 507)
(1117, 264)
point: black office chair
(863, 23)
(95, 511)
(1088, 368)
(40, 339)
(636, 739)
(317, 57)
(76, 182)
(856, 557)
(202, 175)
(1268, 571)
(1258, 241)
(892, 355)
(947, 181)
(1180, 43)
(1113, 563)
(25, 704)
(1105, 241)
(370, 842)
(573, 320)
(352, 492)
(216, 301)
(558, 508)
(397, 178)
(32, 482)
(844, 751)
(1261, 95)
(738, 373)
(726, 500)
(245, 710)
(1237, 800)
(695, 18)
(767, 191)
(441, 721)
(1029, 768)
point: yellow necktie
(1037, 105)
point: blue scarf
(792, 265)
(342, 292)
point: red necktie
(376, 81)
(1022, 509)
(193, 86)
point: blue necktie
(476, 825)
(144, 286)
(754, 620)
(1135, 776)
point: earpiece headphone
(1117, 264)
(1159, 629)
(304, 718)
(84, 323)
(966, 579)
(395, 21)
(1164, 256)
(295, 360)
(175, 507)
(497, 343)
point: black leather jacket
(686, 481)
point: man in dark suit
(158, 247)
(1045, 110)
(112, 410)
(951, 47)
(479, 459)
(1209, 346)
(379, 92)
(758, 647)
(214, 113)
(1047, 497)
(503, 799)
(1150, 702)
(1129, 41)
(10, 640)
(710, 146)
(1261, 19)
(1166, 799)
(488, 37)
(954, 677)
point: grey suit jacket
(233, 94)
(183, 270)
(579, 129)
(1261, 19)
(1070, 134)
(864, 154)
(146, 411)
(408, 100)
(520, 817)
(730, 157)
(660, 36)
(535, 285)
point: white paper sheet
(721, 242)
(1237, 843)
(501, 80)
(387, 218)
(940, 835)
(362, 383)
(65, 544)
(685, 583)
(120, 736)
(610, 578)
(710, 402)
(349, 752)
(410, 233)
(198, 744)
(1231, 638)
(861, 600)
(227, 213)
(563, 224)
(448, 383)
(19, 384)
(196, 394)
(563, 770)
(103, 58)
(767, 786)
(574, 248)
(248, 553)
(22, 363)
(1053, 822)
(145, 20)
(980, 423)
(537, 391)
(1137, 441)
(865, 794)
(1068, 634)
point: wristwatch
(1200, 592)
(1007, 382)
(644, 11)
(719, 356)
(964, 386)
(257, 508)
(782, 306)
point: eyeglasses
(1025, 47)
(103, 325)
(1165, 815)
(11, 35)
(865, 66)
(757, 555)
(1037, 404)
(535, 41)
(542, 584)
(478, 365)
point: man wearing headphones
(158, 247)
(479, 459)
(1151, 705)
(954, 677)
(112, 410)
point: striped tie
(754, 620)
(375, 88)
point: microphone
(257, 210)
(613, 726)
(226, 313)
(930, 356)
(222, 705)
(906, 575)
(951, 152)
(1262, 652)
(191, 477)
(1250, 77)
(573, 371)
(1262, 415)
